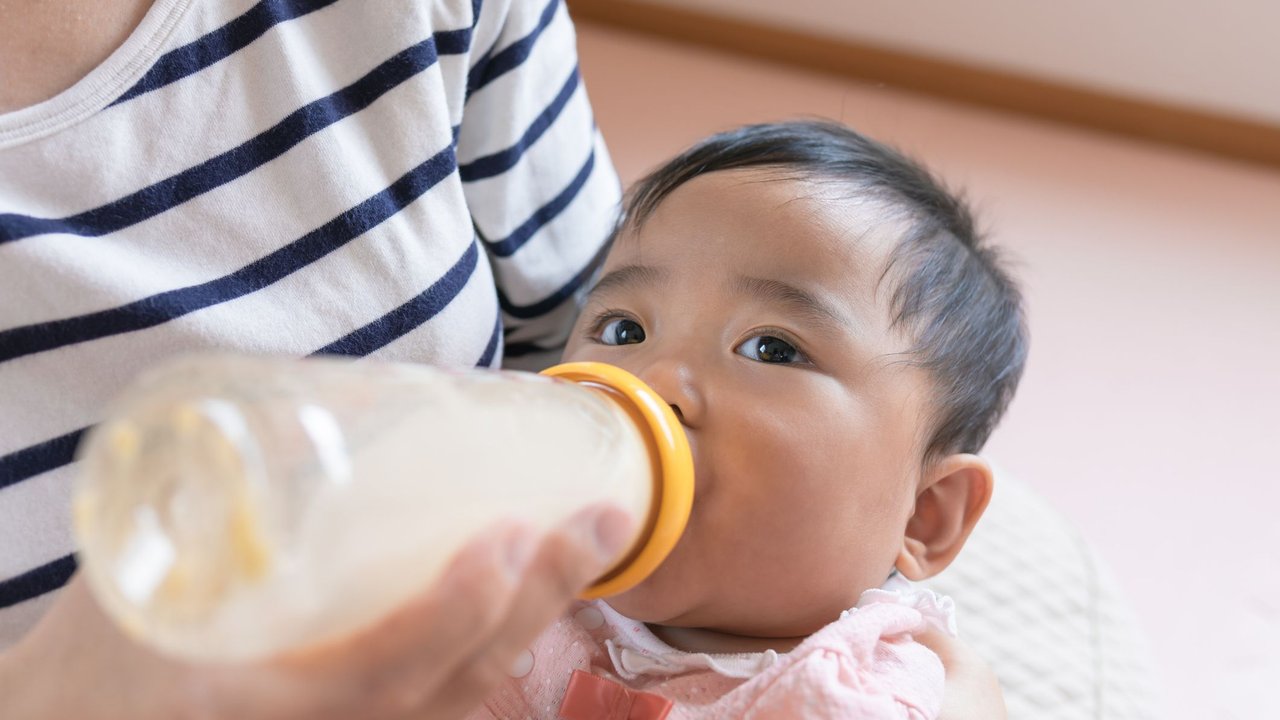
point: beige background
(1149, 411)
(1221, 56)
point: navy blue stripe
(241, 160)
(410, 315)
(490, 350)
(491, 66)
(453, 42)
(37, 582)
(545, 214)
(218, 44)
(552, 301)
(503, 160)
(172, 304)
(39, 458)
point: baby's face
(751, 303)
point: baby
(838, 343)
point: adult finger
(972, 690)
(401, 661)
(568, 560)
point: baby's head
(838, 343)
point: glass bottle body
(233, 508)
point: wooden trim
(1225, 135)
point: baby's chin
(649, 604)
(636, 607)
(666, 601)
(653, 604)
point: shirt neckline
(639, 651)
(123, 67)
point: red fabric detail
(591, 697)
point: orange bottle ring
(672, 462)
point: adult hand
(436, 657)
(972, 691)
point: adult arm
(538, 179)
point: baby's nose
(679, 413)
(675, 383)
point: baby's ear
(954, 495)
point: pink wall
(1219, 56)
(1150, 412)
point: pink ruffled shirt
(594, 664)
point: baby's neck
(699, 640)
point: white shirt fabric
(417, 180)
(637, 652)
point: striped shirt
(419, 180)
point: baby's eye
(770, 349)
(622, 332)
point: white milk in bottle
(233, 508)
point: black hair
(951, 290)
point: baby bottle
(232, 508)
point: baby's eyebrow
(808, 305)
(631, 276)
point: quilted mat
(1038, 604)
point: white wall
(1217, 55)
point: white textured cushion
(1036, 602)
